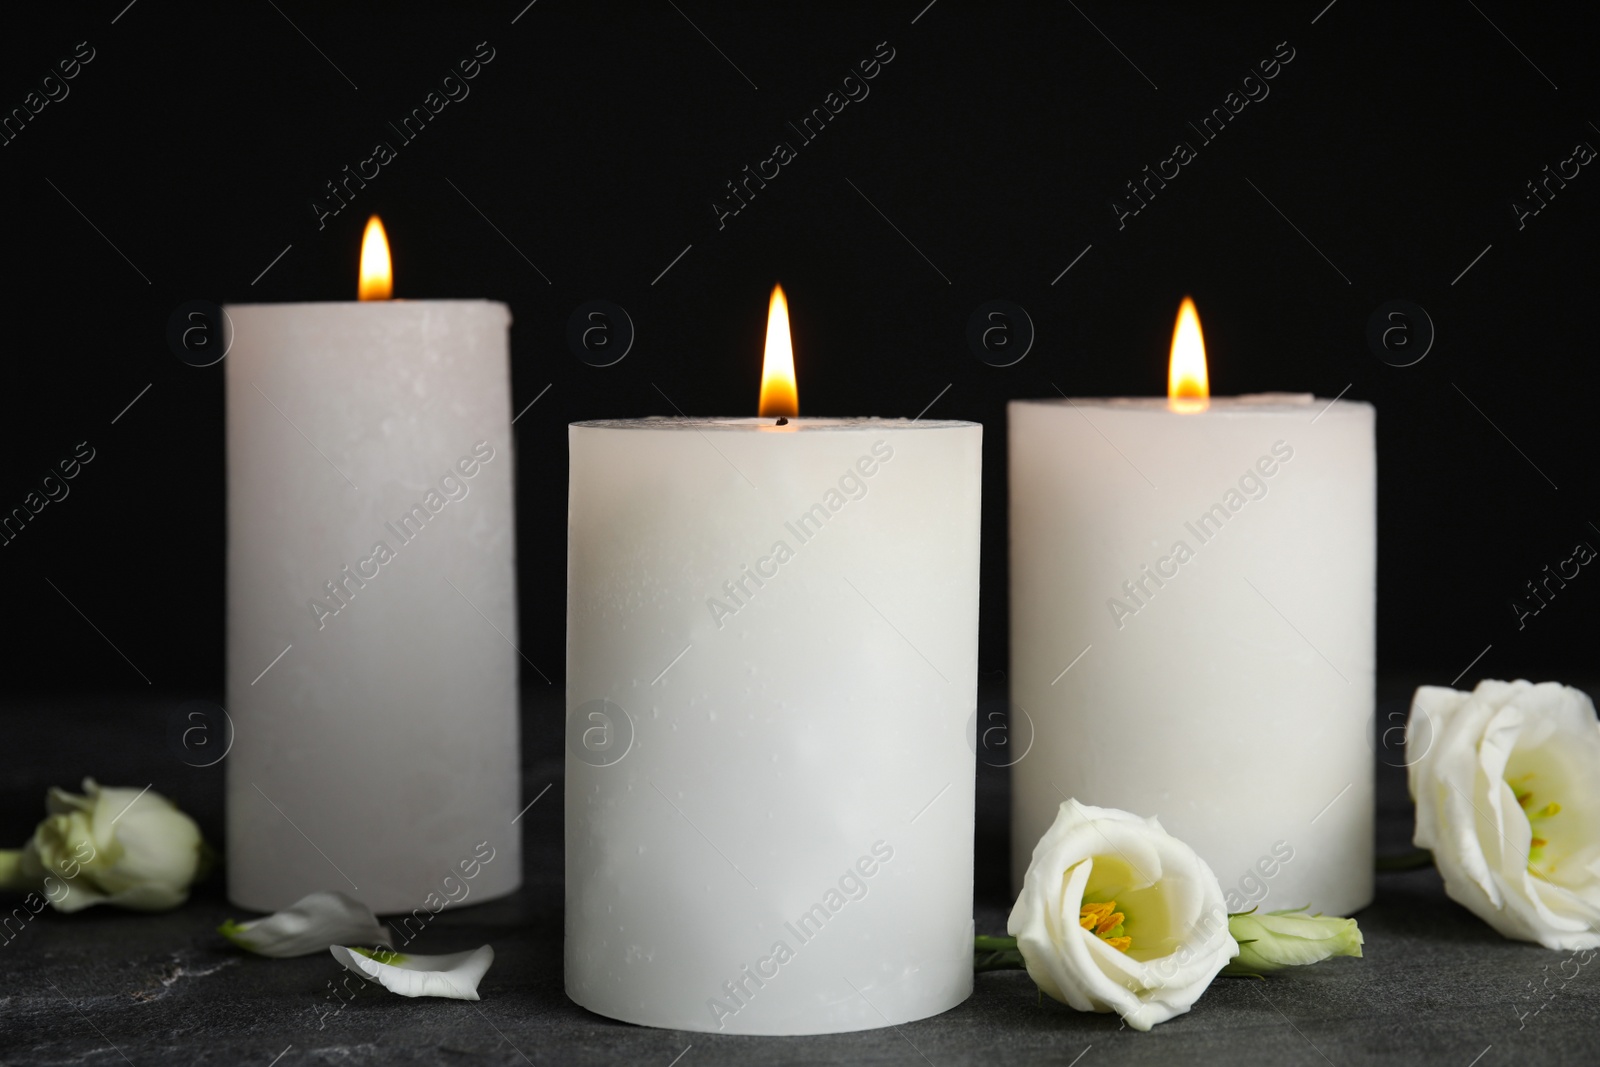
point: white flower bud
(128, 847)
(1290, 938)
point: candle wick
(783, 420)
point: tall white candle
(372, 680)
(1192, 600)
(771, 665)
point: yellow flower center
(1105, 922)
(1536, 816)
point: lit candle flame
(1188, 388)
(377, 276)
(780, 397)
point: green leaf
(998, 961)
(996, 954)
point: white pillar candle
(1192, 600)
(370, 546)
(771, 667)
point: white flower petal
(58, 801)
(1176, 916)
(455, 976)
(314, 922)
(1486, 746)
(153, 844)
(72, 896)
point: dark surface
(1385, 164)
(101, 987)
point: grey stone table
(103, 987)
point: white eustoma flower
(1118, 915)
(455, 976)
(314, 922)
(128, 847)
(1508, 800)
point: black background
(189, 151)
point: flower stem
(984, 943)
(10, 869)
(996, 954)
